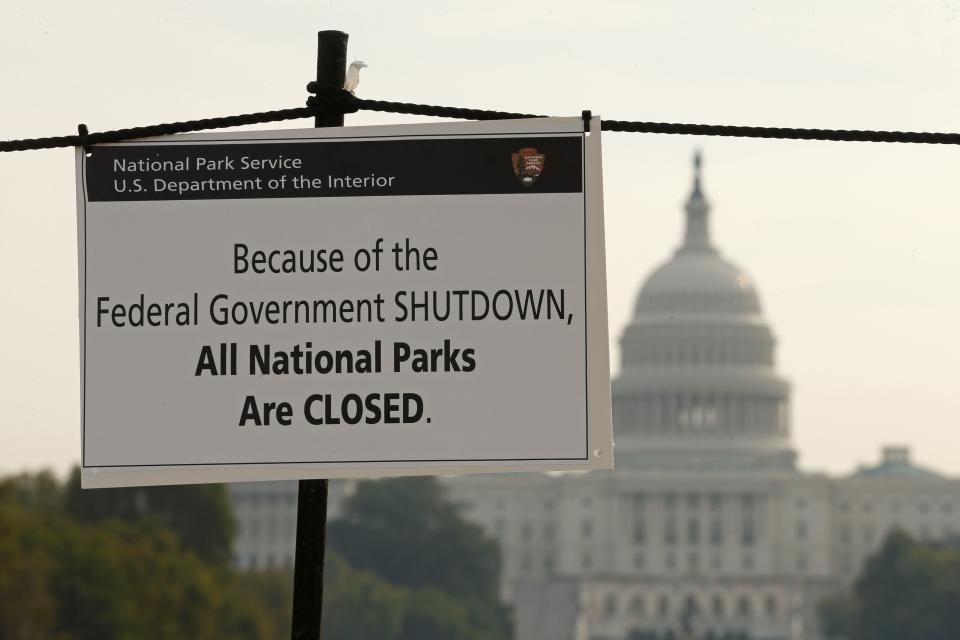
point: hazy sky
(855, 247)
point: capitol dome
(697, 279)
(700, 282)
(698, 386)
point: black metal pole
(312, 496)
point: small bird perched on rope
(353, 75)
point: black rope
(837, 135)
(340, 101)
(157, 130)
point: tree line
(154, 562)
(908, 590)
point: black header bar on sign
(335, 168)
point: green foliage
(434, 615)
(27, 608)
(840, 615)
(199, 514)
(406, 531)
(38, 492)
(906, 590)
(112, 579)
(272, 591)
(132, 564)
(358, 605)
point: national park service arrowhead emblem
(528, 165)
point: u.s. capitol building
(706, 529)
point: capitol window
(663, 606)
(771, 605)
(548, 564)
(637, 605)
(639, 532)
(716, 532)
(586, 528)
(526, 531)
(670, 532)
(718, 608)
(693, 531)
(698, 416)
(846, 564)
(526, 564)
(716, 501)
(549, 531)
(610, 605)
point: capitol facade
(707, 528)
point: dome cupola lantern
(698, 209)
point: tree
(359, 605)
(406, 531)
(434, 615)
(840, 615)
(271, 590)
(200, 515)
(906, 590)
(27, 608)
(112, 578)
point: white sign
(363, 301)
